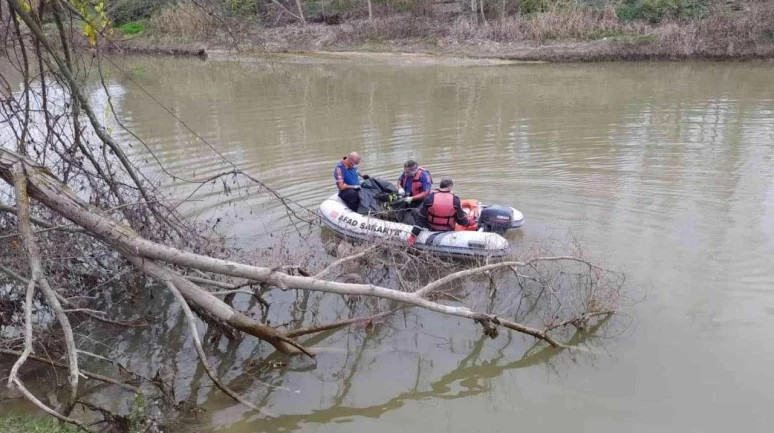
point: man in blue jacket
(347, 181)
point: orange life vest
(416, 181)
(441, 215)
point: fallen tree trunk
(207, 301)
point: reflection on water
(666, 169)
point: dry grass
(749, 34)
(397, 27)
(185, 20)
(560, 24)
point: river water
(665, 170)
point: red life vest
(441, 216)
(416, 181)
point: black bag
(377, 196)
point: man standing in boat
(442, 209)
(347, 181)
(415, 182)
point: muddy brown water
(665, 170)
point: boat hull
(338, 217)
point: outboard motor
(496, 219)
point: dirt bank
(465, 53)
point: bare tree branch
(43, 223)
(38, 276)
(330, 326)
(343, 260)
(86, 373)
(96, 125)
(27, 334)
(31, 397)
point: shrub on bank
(126, 11)
(655, 11)
(132, 28)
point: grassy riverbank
(12, 424)
(549, 30)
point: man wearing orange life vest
(415, 182)
(442, 209)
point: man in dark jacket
(442, 209)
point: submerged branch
(191, 320)
(295, 333)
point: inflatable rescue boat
(483, 239)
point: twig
(343, 260)
(27, 333)
(84, 310)
(482, 269)
(450, 296)
(94, 355)
(577, 321)
(231, 288)
(31, 397)
(297, 345)
(463, 274)
(215, 283)
(11, 273)
(314, 329)
(117, 322)
(43, 223)
(231, 292)
(86, 373)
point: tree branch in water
(38, 277)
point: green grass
(29, 424)
(133, 28)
